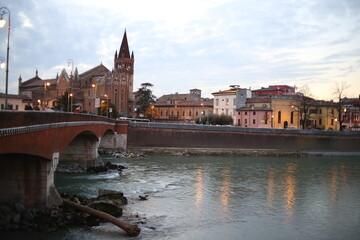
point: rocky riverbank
(18, 217)
(104, 167)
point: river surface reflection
(229, 197)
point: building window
(217, 102)
(254, 113)
(190, 113)
(320, 111)
(332, 111)
(279, 117)
(292, 117)
(238, 113)
(320, 121)
(196, 113)
(227, 102)
(183, 113)
(161, 113)
(332, 121)
(245, 121)
(253, 121)
(245, 113)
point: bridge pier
(113, 141)
(28, 179)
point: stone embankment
(18, 217)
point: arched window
(279, 117)
(292, 117)
(190, 113)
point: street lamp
(70, 95)
(96, 101)
(3, 11)
(2, 64)
(107, 105)
(47, 84)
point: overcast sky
(185, 44)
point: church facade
(90, 89)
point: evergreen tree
(144, 99)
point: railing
(4, 132)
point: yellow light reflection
(270, 187)
(334, 183)
(290, 189)
(199, 187)
(225, 188)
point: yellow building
(323, 116)
(284, 114)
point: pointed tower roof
(124, 48)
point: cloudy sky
(185, 44)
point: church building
(89, 89)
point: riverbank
(18, 217)
(236, 151)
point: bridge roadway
(32, 143)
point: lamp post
(96, 101)
(47, 84)
(71, 102)
(70, 105)
(107, 105)
(2, 64)
(3, 11)
(70, 61)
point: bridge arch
(81, 151)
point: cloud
(180, 45)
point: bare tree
(339, 92)
(306, 100)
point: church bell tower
(123, 77)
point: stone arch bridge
(32, 143)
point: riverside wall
(160, 135)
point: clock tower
(122, 79)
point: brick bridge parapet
(32, 143)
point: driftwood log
(132, 230)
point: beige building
(15, 102)
(182, 107)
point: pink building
(256, 114)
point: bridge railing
(15, 119)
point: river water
(228, 197)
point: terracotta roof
(258, 100)
(185, 104)
(226, 92)
(254, 109)
(94, 69)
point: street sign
(97, 102)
